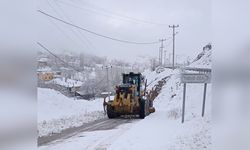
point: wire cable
(46, 49)
(97, 34)
(80, 35)
(108, 13)
(59, 28)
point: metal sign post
(194, 78)
(183, 103)
(204, 99)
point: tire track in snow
(105, 142)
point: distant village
(81, 76)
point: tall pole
(161, 51)
(108, 82)
(107, 69)
(173, 26)
(183, 103)
(165, 58)
(159, 56)
(204, 100)
(169, 59)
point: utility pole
(176, 59)
(107, 69)
(161, 51)
(159, 56)
(165, 58)
(173, 26)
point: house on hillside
(71, 85)
(45, 74)
(42, 62)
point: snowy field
(160, 130)
(57, 112)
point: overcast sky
(131, 20)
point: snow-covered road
(102, 124)
(96, 136)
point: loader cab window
(131, 81)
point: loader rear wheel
(142, 112)
(110, 112)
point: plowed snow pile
(57, 112)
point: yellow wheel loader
(130, 98)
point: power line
(112, 14)
(77, 34)
(46, 49)
(92, 32)
(59, 28)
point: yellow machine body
(126, 103)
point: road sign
(195, 78)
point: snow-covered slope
(57, 112)
(204, 59)
(153, 77)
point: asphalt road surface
(103, 124)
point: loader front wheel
(110, 112)
(142, 113)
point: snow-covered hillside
(153, 77)
(57, 112)
(204, 59)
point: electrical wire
(92, 32)
(61, 30)
(80, 35)
(84, 44)
(112, 14)
(46, 49)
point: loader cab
(133, 79)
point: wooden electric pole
(173, 26)
(161, 51)
(108, 86)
